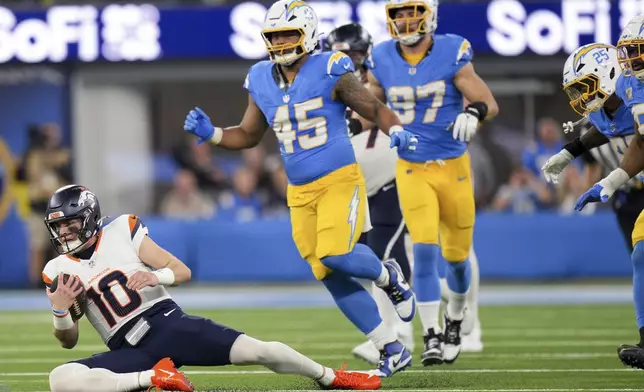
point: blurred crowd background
(116, 127)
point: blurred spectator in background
(242, 204)
(524, 194)
(572, 185)
(199, 160)
(548, 143)
(47, 166)
(277, 205)
(256, 160)
(185, 200)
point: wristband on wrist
(165, 275)
(217, 135)
(480, 107)
(62, 319)
(576, 148)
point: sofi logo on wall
(115, 33)
(504, 27)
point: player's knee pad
(68, 378)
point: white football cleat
(368, 352)
(452, 339)
(399, 292)
(473, 343)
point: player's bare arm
(65, 330)
(593, 138)
(633, 161)
(474, 89)
(169, 270)
(349, 90)
(379, 92)
(248, 133)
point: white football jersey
(110, 304)
(377, 161)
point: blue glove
(402, 139)
(198, 123)
(593, 195)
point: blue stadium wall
(509, 247)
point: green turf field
(554, 348)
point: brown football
(78, 308)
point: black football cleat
(631, 355)
(433, 348)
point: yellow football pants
(328, 215)
(438, 197)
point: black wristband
(576, 148)
(481, 108)
(355, 126)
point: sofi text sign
(146, 33)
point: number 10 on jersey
(105, 297)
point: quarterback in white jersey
(123, 274)
(387, 237)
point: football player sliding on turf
(123, 274)
(630, 89)
(304, 98)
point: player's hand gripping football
(65, 295)
(555, 165)
(142, 279)
(402, 139)
(198, 123)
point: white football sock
(75, 377)
(456, 305)
(382, 335)
(145, 378)
(444, 291)
(385, 307)
(429, 315)
(279, 358)
(383, 279)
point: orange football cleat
(355, 380)
(168, 378)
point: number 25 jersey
(424, 96)
(115, 259)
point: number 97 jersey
(424, 95)
(111, 304)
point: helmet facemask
(586, 95)
(400, 27)
(630, 55)
(81, 226)
(284, 53)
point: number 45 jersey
(309, 124)
(115, 258)
(424, 96)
